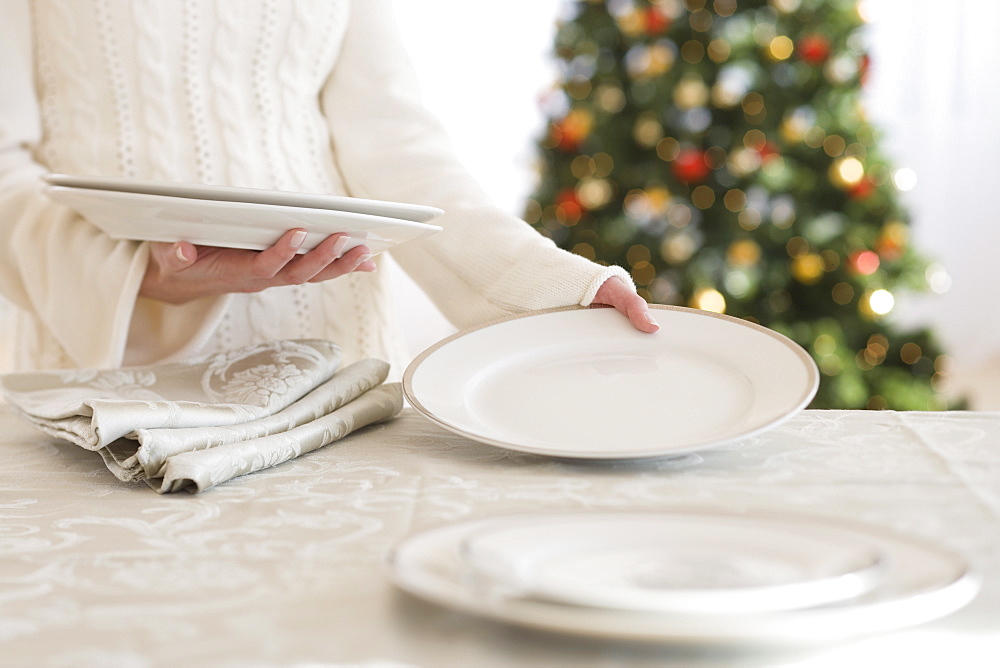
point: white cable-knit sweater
(298, 95)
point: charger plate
(230, 224)
(583, 383)
(922, 582)
(413, 212)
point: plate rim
(808, 363)
(957, 592)
(143, 186)
(351, 220)
(195, 201)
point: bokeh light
(709, 299)
(881, 301)
(720, 152)
(905, 179)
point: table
(285, 567)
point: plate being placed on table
(583, 383)
(235, 217)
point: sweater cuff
(607, 272)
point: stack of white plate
(685, 575)
(235, 217)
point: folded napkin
(193, 425)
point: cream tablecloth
(284, 567)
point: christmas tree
(719, 150)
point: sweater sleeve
(76, 281)
(485, 263)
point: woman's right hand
(182, 272)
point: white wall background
(482, 68)
(934, 90)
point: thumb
(176, 256)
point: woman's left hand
(614, 292)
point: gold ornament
(743, 253)
(678, 248)
(658, 199)
(647, 130)
(808, 269)
(691, 92)
(781, 48)
(594, 193)
(643, 273)
(632, 23)
(795, 125)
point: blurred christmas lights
(719, 151)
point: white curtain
(935, 92)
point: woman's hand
(181, 272)
(614, 292)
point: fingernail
(179, 252)
(298, 238)
(650, 320)
(362, 259)
(339, 245)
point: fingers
(285, 266)
(614, 292)
(636, 310)
(356, 259)
(638, 314)
(360, 258)
(180, 272)
(268, 263)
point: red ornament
(864, 262)
(767, 149)
(864, 68)
(566, 137)
(691, 166)
(814, 49)
(569, 205)
(863, 189)
(889, 249)
(570, 132)
(655, 22)
(891, 243)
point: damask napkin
(193, 425)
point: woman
(308, 96)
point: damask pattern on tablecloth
(286, 566)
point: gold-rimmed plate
(583, 383)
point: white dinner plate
(140, 216)
(922, 582)
(583, 383)
(413, 212)
(673, 563)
